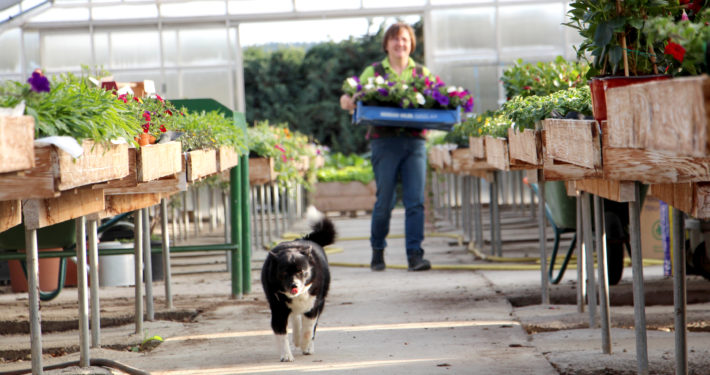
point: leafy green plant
(73, 106)
(342, 168)
(543, 78)
(208, 130)
(684, 50)
(610, 26)
(492, 123)
(526, 112)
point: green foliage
(543, 78)
(302, 87)
(73, 107)
(208, 130)
(526, 112)
(343, 168)
(692, 35)
(603, 26)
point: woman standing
(397, 152)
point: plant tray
(498, 155)
(572, 149)
(344, 196)
(440, 119)
(261, 171)
(16, 143)
(525, 147)
(227, 158)
(462, 163)
(158, 160)
(200, 163)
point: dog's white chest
(302, 303)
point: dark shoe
(378, 260)
(417, 262)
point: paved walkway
(391, 322)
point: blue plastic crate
(441, 119)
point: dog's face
(293, 270)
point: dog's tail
(323, 229)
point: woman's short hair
(393, 31)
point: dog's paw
(308, 347)
(287, 357)
(296, 341)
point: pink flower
(278, 147)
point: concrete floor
(391, 322)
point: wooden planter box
(56, 171)
(498, 155)
(158, 160)
(464, 164)
(525, 147)
(200, 163)
(667, 115)
(227, 158)
(344, 196)
(618, 191)
(692, 198)
(477, 147)
(572, 149)
(16, 143)
(39, 213)
(10, 214)
(261, 171)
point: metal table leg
(581, 264)
(94, 277)
(33, 296)
(542, 230)
(148, 266)
(605, 320)
(84, 356)
(138, 269)
(498, 246)
(477, 216)
(589, 255)
(638, 287)
(679, 295)
(166, 252)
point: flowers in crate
(155, 114)
(422, 92)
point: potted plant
(621, 53)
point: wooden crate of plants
(572, 149)
(158, 160)
(666, 115)
(56, 170)
(692, 198)
(525, 147)
(200, 164)
(344, 196)
(261, 170)
(16, 143)
(498, 155)
(463, 163)
(227, 158)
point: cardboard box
(651, 239)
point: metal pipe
(588, 251)
(495, 224)
(542, 230)
(84, 342)
(235, 220)
(477, 214)
(277, 209)
(33, 300)
(600, 239)
(245, 225)
(269, 230)
(147, 266)
(94, 277)
(638, 287)
(185, 217)
(167, 272)
(262, 207)
(679, 295)
(493, 201)
(581, 285)
(196, 215)
(457, 201)
(138, 269)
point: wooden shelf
(10, 214)
(344, 196)
(692, 198)
(16, 143)
(261, 171)
(498, 155)
(39, 213)
(525, 147)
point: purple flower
(359, 88)
(442, 99)
(383, 92)
(390, 83)
(468, 107)
(38, 82)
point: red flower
(169, 112)
(123, 98)
(159, 98)
(146, 115)
(675, 50)
(527, 88)
(162, 128)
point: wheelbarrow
(561, 213)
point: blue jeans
(392, 158)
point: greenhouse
(469, 186)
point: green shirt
(406, 75)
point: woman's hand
(347, 103)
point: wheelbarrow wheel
(615, 240)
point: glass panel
(213, 83)
(450, 2)
(170, 87)
(10, 57)
(62, 14)
(391, 3)
(531, 31)
(193, 8)
(130, 49)
(300, 31)
(8, 13)
(203, 46)
(124, 11)
(101, 49)
(170, 50)
(65, 51)
(32, 59)
(312, 5)
(468, 33)
(481, 80)
(140, 76)
(259, 6)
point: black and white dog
(296, 278)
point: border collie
(296, 278)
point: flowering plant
(155, 114)
(543, 78)
(422, 92)
(685, 41)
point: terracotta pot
(145, 139)
(48, 274)
(599, 85)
